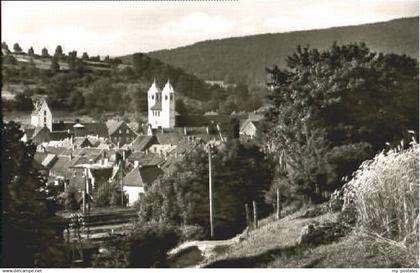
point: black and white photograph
(210, 134)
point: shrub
(70, 200)
(385, 193)
(193, 232)
(146, 246)
(108, 194)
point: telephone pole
(210, 194)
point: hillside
(242, 59)
(85, 87)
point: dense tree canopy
(241, 174)
(31, 233)
(335, 108)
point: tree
(5, 47)
(9, 59)
(108, 194)
(85, 56)
(76, 100)
(44, 52)
(31, 52)
(55, 67)
(17, 48)
(58, 52)
(335, 108)
(23, 102)
(146, 246)
(241, 174)
(32, 235)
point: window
(45, 119)
(172, 96)
(45, 112)
(153, 97)
(166, 97)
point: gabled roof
(56, 150)
(101, 174)
(49, 161)
(171, 136)
(146, 159)
(141, 176)
(90, 128)
(143, 142)
(88, 153)
(40, 156)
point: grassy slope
(248, 55)
(274, 245)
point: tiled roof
(143, 142)
(59, 135)
(142, 176)
(56, 150)
(113, 125)
(39, 157)
(49, 161)
(90, 128)
(146, 159)
(171, 137)
(101, 175)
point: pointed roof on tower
(168, 87)
(154, 88)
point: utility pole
(86, 203)
(210, 194)
(122, 184)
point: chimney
(185, 131)
(147, 151)
(136, 164)
(124, 157)
(105, 161)
(160, 153)
(165, 155)
(207, 130)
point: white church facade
(161, 106)
(41, 115)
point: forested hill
(243, 59)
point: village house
(120, 133)
(138, 179)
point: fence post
(254, 204)
(248, 221)
(278, 205)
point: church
(161, 106)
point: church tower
(161, 106)
(168, 106)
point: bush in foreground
(385, 193)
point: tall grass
(385, 193)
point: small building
(120, 133)
(250, 129)
(137, 181)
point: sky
(118, 28)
